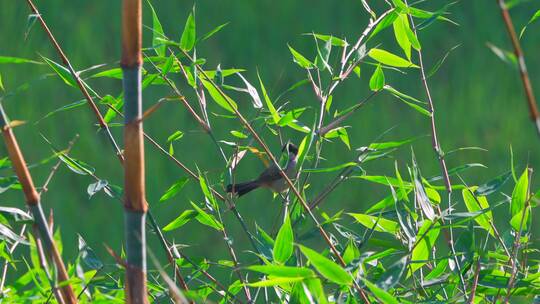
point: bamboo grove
(432, 237)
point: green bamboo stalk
(135, 206)
(33, 202)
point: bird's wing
(270, 174)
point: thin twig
(440, 155)
(77, 79)
(23, 229)
(259, 140)
(531, 100)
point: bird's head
(290, 148)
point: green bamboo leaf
(334, 40)
(326, 267)
(61, 71)
(67, 107)
(533, 19)
(390, 59)
(382, 224)
(115, 73)
(76, 166)
(331, 169)
(181, 220)
(268, 101)
(174, 189)
(426, 237)
(478, 203)
(519, 200)
(223, 101)
(238, 134)
(283, 271)
(284, 244)
(206, 218)
(387, 21)
(275, 281)
(157, 33)
(381, 294)
(206, 191)
(214, 31)
(187, 41)
(408, 100)
(391, 144)
(300, 59)
(376, 82)
(16, 60)
(401, 35)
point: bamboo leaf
(206, 218)
(283, 246)
(426, 237)
(377, 223)
(381, 294)
(283, 271)
(181, 220)
(16, 60)
(187, 41)
(300, 59)
(387, 58)
(268, 101)
(478, 203)
(519, 199)
(61, 71)
(326, 267)
(376, 82)
(174, 189)
(223, 101)
(401, 35)
(275, 281)
(157, 33)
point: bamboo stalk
(135, 206)
(33, 202)
(531, 100)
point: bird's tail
(242, 188)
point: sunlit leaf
(174, 189)
(187, 41)
(377, 223)
(387, 58)
(326, 267)
(284, 244)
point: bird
(270, 177)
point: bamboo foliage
(33, 201)
(135, 203)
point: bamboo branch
(531, 100)
(100, 118)
(273, 159)
(78, 80)
(33, 202)
(23, 229)
(440, 155)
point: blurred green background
(479, 102)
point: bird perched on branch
(271, 177)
